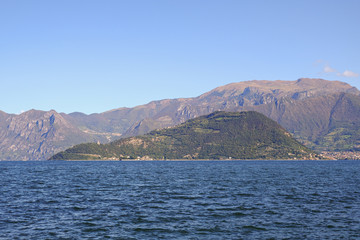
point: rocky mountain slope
(322, 114)
(269, 97)
(220, 135)
(35, 135)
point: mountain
(307, 108)
(322, 114)
(220, 135)
(38, 135)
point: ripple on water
(180, 200)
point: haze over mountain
(323, 114)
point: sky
(93, 56)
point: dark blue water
(180, 200)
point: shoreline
(195, 160)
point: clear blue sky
(93, 56)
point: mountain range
(322, 114)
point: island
(219, 135)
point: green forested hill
(220, 135)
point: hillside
(220, 135)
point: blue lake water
(180, 200)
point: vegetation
(220, 135)
(339, 132)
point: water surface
(180, 200)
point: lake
(180, 200)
